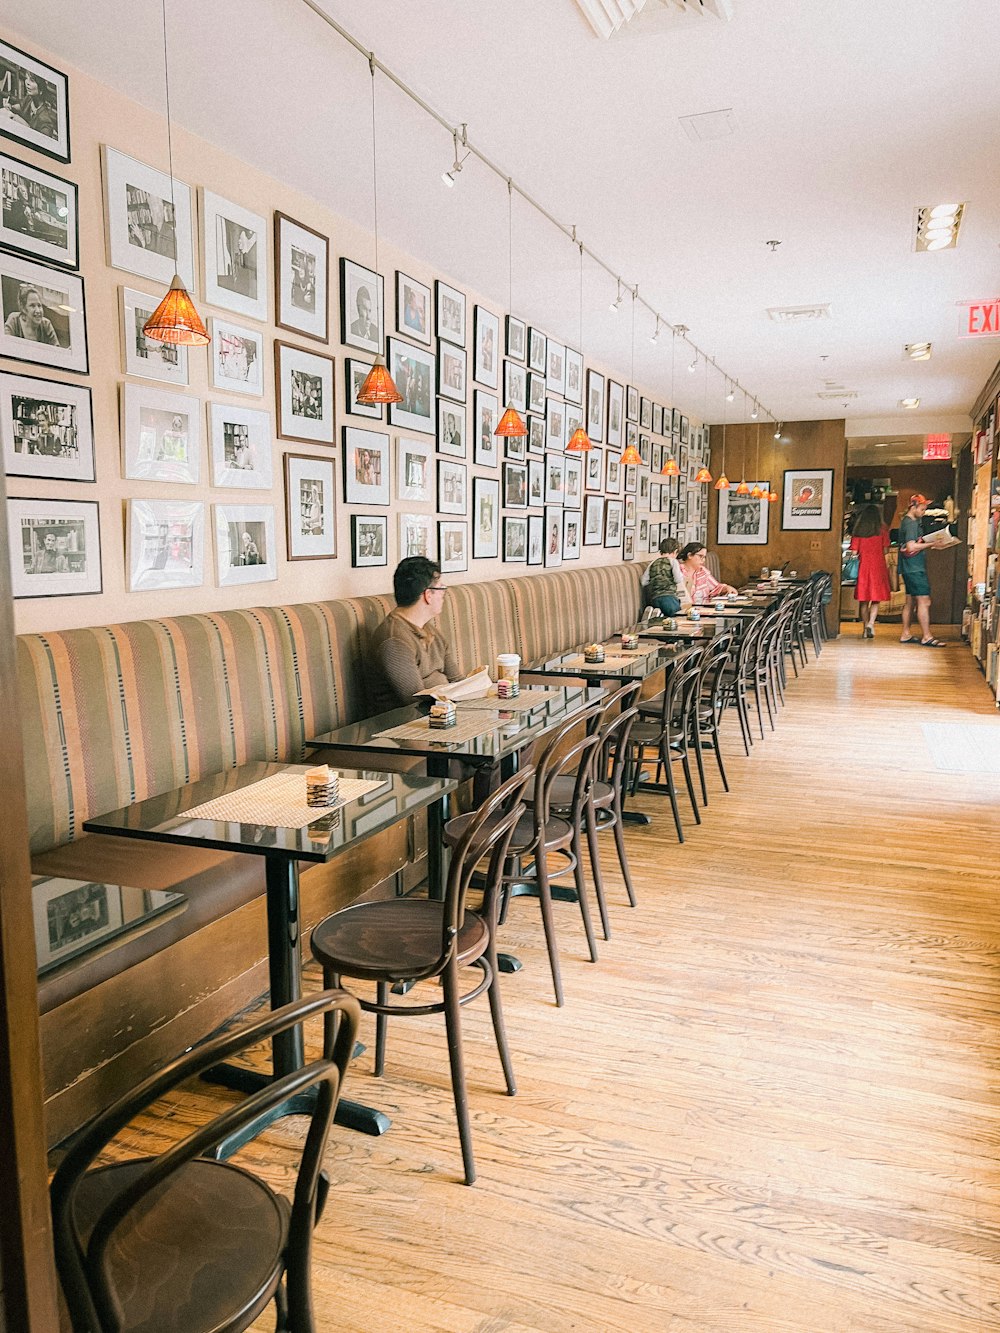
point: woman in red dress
(870, 539)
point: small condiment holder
(630, 642)
(322, 787)
(443, 714)
(507, 688)
(594, 653)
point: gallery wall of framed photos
(147, 480)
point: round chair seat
(195, 1251)
(394, 940)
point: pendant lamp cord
(170, 141)
(371, 66)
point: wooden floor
(773, 1105)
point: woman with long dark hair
(870, 539)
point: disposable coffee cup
(509, 667)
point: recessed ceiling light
(917, 351)
(909, 402)
(937, 226)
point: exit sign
(980, 319)
(937, 446)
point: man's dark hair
(692, 548)
(413, 577)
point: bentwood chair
(670, 733)
(419, 939)
(180, 1242)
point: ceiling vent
(709, 125)
(608, 17)
(798, 314)
(837, 393)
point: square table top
(503, 732)
(163, 818)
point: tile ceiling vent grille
(798, 314)
(608, 17)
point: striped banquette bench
(117, 713)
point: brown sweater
(405, 660)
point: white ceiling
(848, 116)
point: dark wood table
(164, 819)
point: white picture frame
(161, 435)
(43, 315)
(235, 256)
(239, 560)
(453, 546)
(148, 358)
(366, 467)
(142, 223)
(46, 429)
(55, 547)
(414, 470)
(237, 358)
(165, 544)
(310, 507)
(304, 394)
(240, 446)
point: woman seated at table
(701, 584)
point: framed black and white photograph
(808, 500)
(616, 414)
(47, 429)
(595, 406)
(486, 343)
(303, 393)
(657, 426)
(613, 523)
(536, 393)
(310, 509)
(516, 341)
(145, 221)
(44, 315)
(413, 308)
(148, 358)
(369, 540)
(234, 245)
(362, 307)
(742, 519)
(366, 467)
(487, 415)
(593, 520)
(628, 549)
(555, 424)
(452, 487)
(240, 446)
(301, 279)
(631, 403)
(515, 485)
(450, 310)
(244, 544)
(593, 472)
(412, 370)
(555, 367)
(515, 539)
(414, 470)
(553, 537)
(572, 533)
(536, 435)
(515, 385)
(573, 482)
(555, 479)
(161, 435)
(645, 413)
(35, 103)
(451, 369)
(355, 374)
(536, 351)
(613, 477)
(536, 539)
(39, 216)
(485, 518)
(416, 536)
(574, 376)
(55, 547)
(536, 482)
(453, 546)
(165, 544)
(452, 428)
(237, 358)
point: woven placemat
(522, 703)
(467, 728)
(279, 801)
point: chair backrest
(84, 1266)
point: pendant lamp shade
(378, 386)
(723, 483)
(511, 424)
(670, 468)
(631, 457)
(579, 442)
(742, 489)
(703, 475)
(175, 319)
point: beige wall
(101, 115)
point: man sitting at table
(408, 653)
(701, 583)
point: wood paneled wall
(804, 444)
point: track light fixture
(460, 139)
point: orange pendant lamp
(378, 386)
(580, 442)
(175, 320)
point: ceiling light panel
(936, 226)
